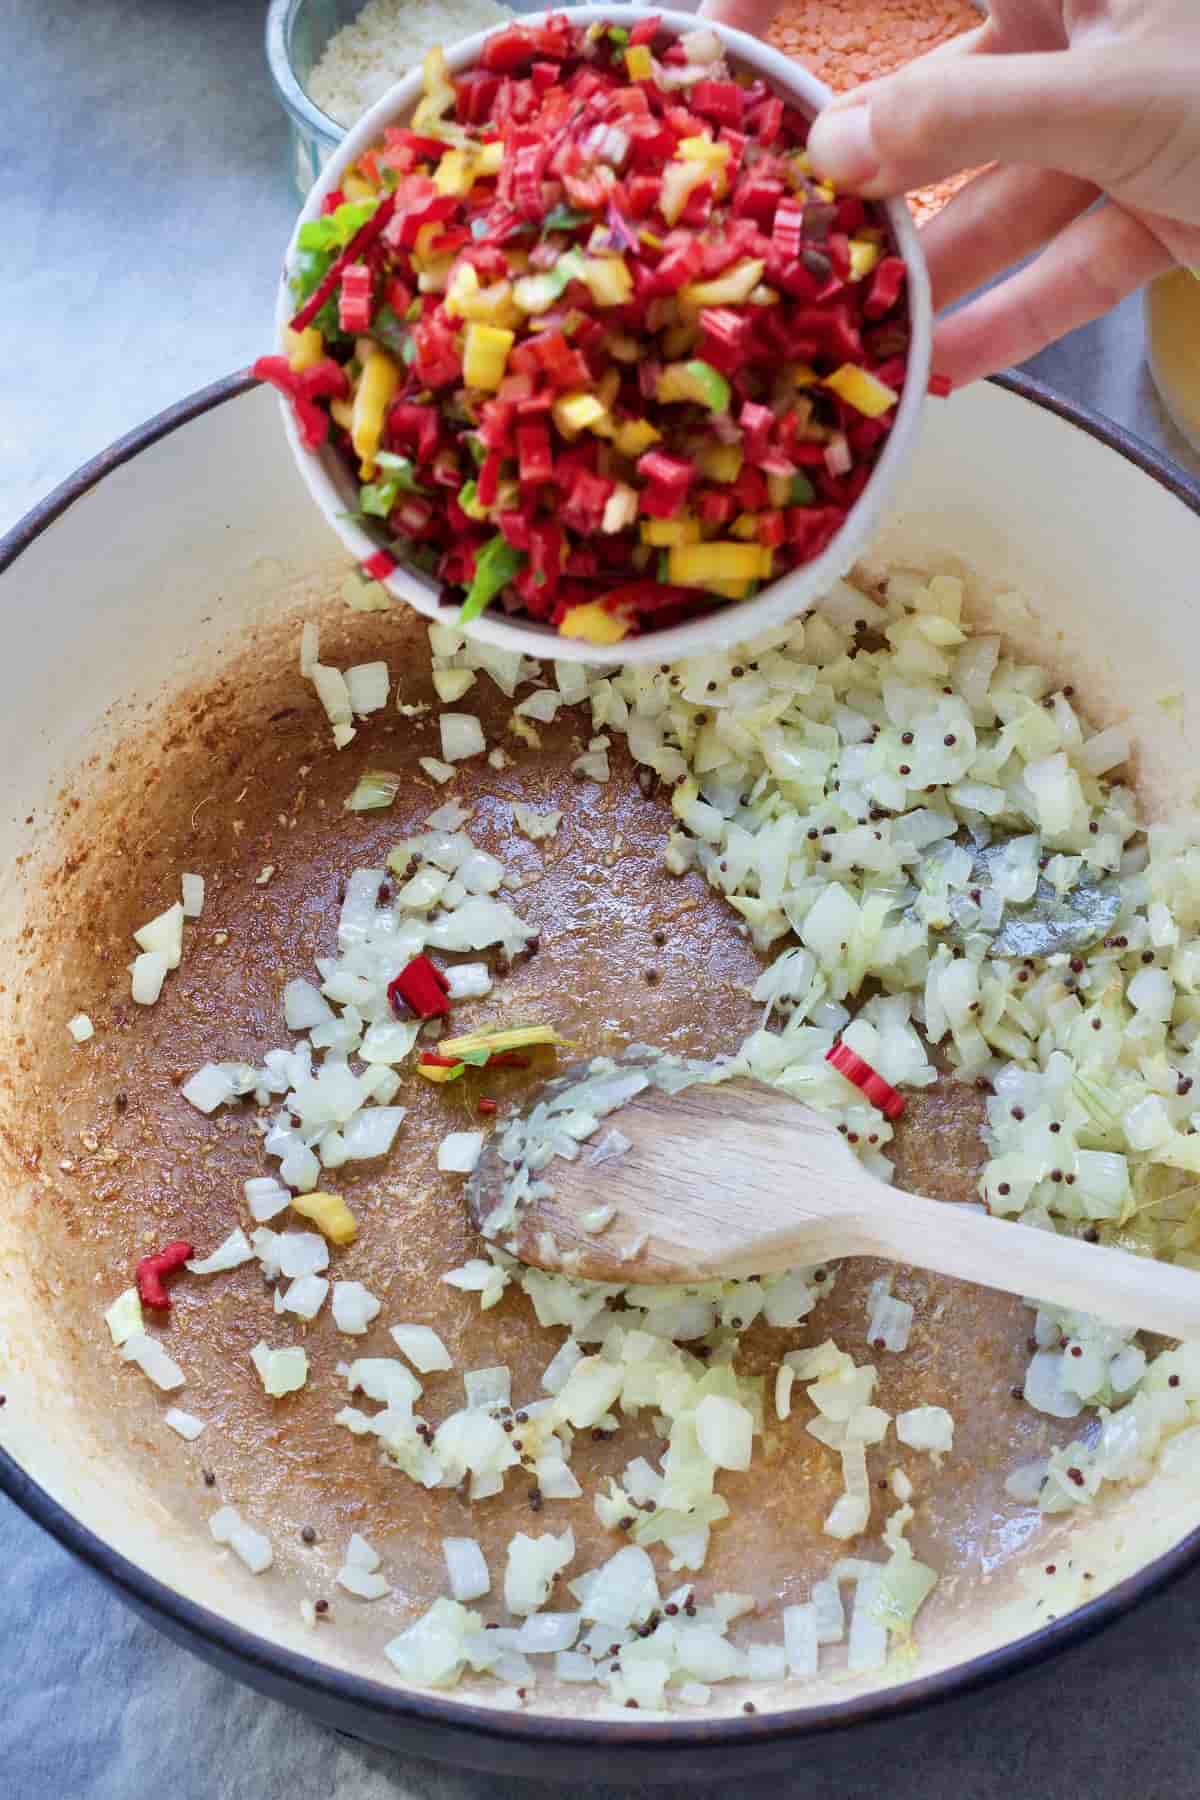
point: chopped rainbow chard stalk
(633, 357)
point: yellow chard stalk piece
(330, 1214)
(378, 382)
(594, 624)
(304, 348)
(514, 1037)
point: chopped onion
(265, 1197)
(555, 1480)
(384, 1379)
(838, 459)
(363, 1583)
(266, 1247)
(354, 1307)
(867, 1647)
(480, 873)
(149, 972)
(374, 790)
(304, 1006)
(890, 1323)
(554, 1377)
(124, 1317)
(310, 648)
(302, 1253)
(469, 981)
(594, 765)
(81, 1028)
(827, 1605)
(304, 1297)
(449, 817)
(280, 1371)
(1105, 751)
(572, 1665)
(1045, 1389)
(1153, 992)
(488, 1387)
(800, 1639)
(152, 1360)
(185, 1423)
(531, 1568)
(451, 684)
(251, 1547)
(477, 1276)
(334, 695)
(543, 1634)
(589, 1390)
(542, 705)
(459, 1152)
(702, 46)
(725, 1431)
(192, 888)
(467, 1569)
(163, 935)
(424, 1349)
(437, 770)
(462, 736)
(623, 1591)
(372, 1132)
(360, 1554)
(613, 1143)
(388, 1041)
(536, 825)
(926, 1428)
(209, 1087)
(230, 1255)
(434, 1651)
(368, 685)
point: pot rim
(219, 1637)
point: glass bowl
(297, 33)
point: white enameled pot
(136, 581)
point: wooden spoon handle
(1133, 1291)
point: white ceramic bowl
(334, 489)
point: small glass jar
(297, 33)
(1173, 347)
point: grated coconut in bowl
(388, 38)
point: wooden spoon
(739, 1179)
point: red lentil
(847, 42)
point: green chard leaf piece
(495, 566)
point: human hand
(1070, 101)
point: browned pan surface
(242, 776)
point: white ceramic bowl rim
(333, 488)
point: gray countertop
(145, 201)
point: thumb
(752, 16)
(1109, 118)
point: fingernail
(842, 146)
